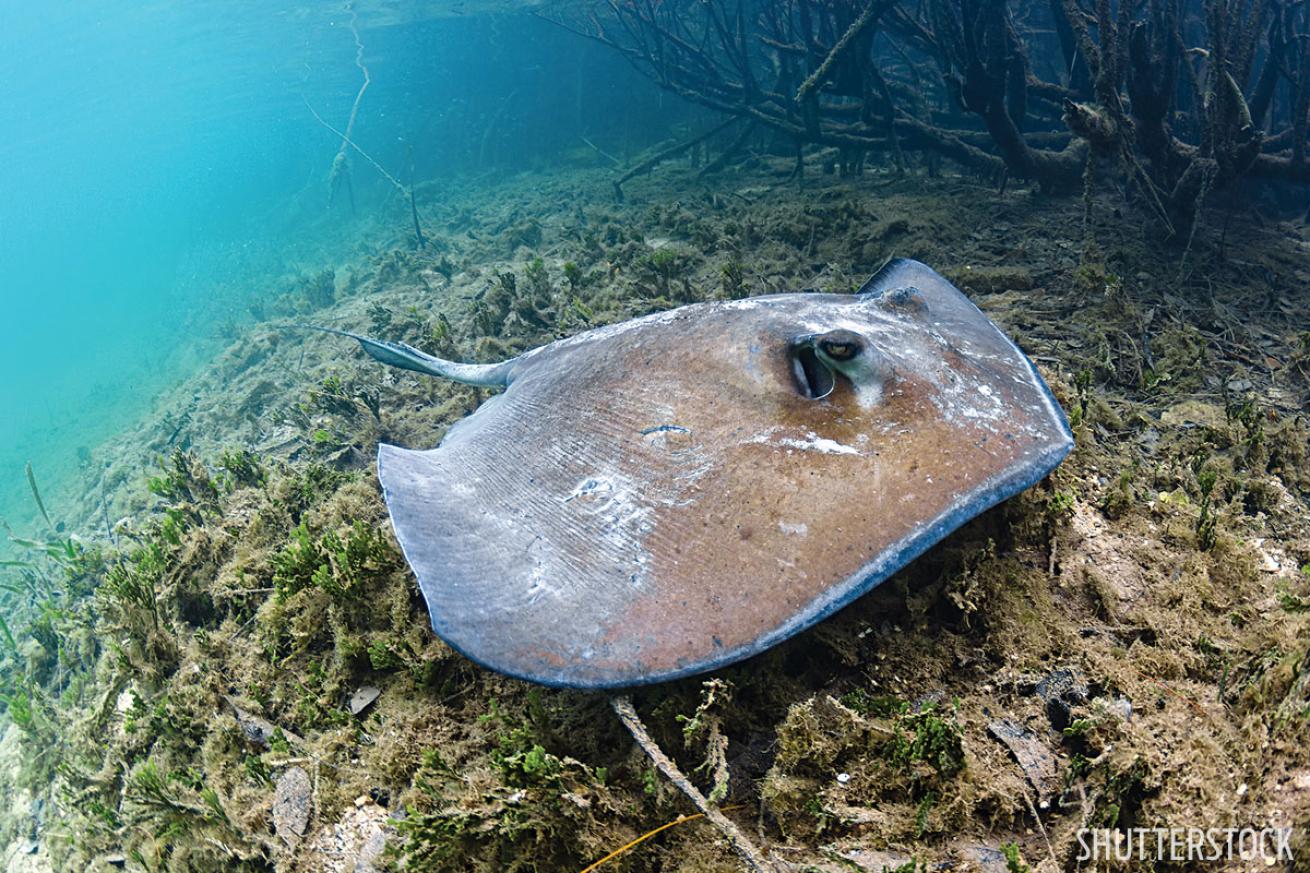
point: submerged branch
(664, 154)
(340, 165)
(404, 191)
(819, 75)
(727, 154)
(754, 859)
(870, 14)
(352, 144)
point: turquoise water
(161, 169)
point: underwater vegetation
(240, 675)
(215, 657)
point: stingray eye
(840, 346)
(839, 351)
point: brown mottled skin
(659, 498)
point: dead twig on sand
(604, 154)
(632, 844)
(754, 859)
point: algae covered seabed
(235, 670)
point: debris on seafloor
(291, 804)
(1034, 756)
(852, 855)
(986, 859)
(1061, 690)
(363, 698)
(356, 843)
(258, 730)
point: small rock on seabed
(355, 843)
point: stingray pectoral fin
(898, 273)
(406, 357)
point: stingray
(674, 493)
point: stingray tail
(406, 357)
